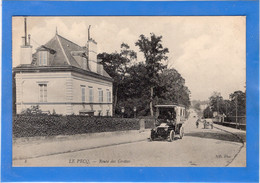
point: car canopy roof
(168, 106)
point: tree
(217, 103)
(197, 106)
(171, 88)
(207, 113)
(154, 54)
(134, 91)
(238, 103)
(116, 65)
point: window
(100, 95)
(91, 97)
(108, 96)
(42, 58)
(83, 93)
(43, 92)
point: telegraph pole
(236, 110)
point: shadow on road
(218, 135)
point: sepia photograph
(129, 91)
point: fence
(233, 122)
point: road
(199, 148)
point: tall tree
(171, 88)
(238, 103)
(135, 91)
(116, 65)
(217, 103)
(154, 54)
(207, 113)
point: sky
(208, 51)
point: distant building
(64, 77)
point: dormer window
(42, 55)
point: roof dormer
(43, 58)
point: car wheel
(181, 132)
(172, 134)
(152, 136)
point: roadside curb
(241, 141)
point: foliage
(236, 106)
(52, 125)
(171, 89)
(154, 54)
(238, 102)
(207, 113)
(33, 110)
(116, 65)
(217, 103)
(144, 84)
(197, 106)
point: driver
(170, 118)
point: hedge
(52, 125)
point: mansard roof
(60, 57)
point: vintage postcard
(129, 91)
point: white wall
(87, 81)
(27, 90)
(26, 55)
(63, 92)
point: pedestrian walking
(197, 123)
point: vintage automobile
(169, 122)
(208, 123)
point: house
(62, 77)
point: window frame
(83, 93)
(100, 95)
(91, 94)
(109, 96)
(43, 92)
(43, 58)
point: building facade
(63, 78)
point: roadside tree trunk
(115, 101)
(151, 102)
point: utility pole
(236, 110)
(218, 106)
(89, 32)
(25, 32)
(226, 108)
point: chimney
(26, 48)
(99, 67)
(92, 53)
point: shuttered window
(42, 58)
(83, 93)
(100, 95)
(91, 94)
(108, 96)
(42, 92)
